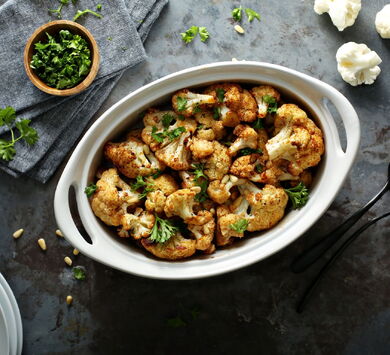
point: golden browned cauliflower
(113, 198)
(177, 247)
(204, 234)
(138, 225)
(246, 138)
(249, 167)
(163, 186)
(188, 179)
(186, 103)
(201, 148)
(218, 163)
(219, 190)
(132, 158)
(209, 128)
(263, 95)
(297, 139)
(182, 202)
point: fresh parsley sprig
(90, 189)
(200, 180)
(181, 103)
(248, 151)
(272, 103)
(191, 33)
(80, 13)
(162, 230)
(252, 14)
(27, 133)
(171, 134)
(237, 14)
(240, 226)
(298, 195)
(79, 273)
(146, 185)
(220, 94)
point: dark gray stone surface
(249, 311)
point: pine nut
(76, 251)
(42, 243)
(146, 149)
(225, 179)
(206, 229)
(59, 233)
(233, 178)
(68, 260)
(69, 300)
(239, 29)
(234, 60)
(18, 233)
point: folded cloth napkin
(60, 121)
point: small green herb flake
(79, 273)
(272, 103)
(176, 322)
(174, 133)
(181, 117)
(248, 151)
(240, 226)
(162, 230)
(190, 34)
(181, 103)
(99, 7)
(204, 34)
(259, 168)
(198, 171)
(217, 113)
(220, 94)
(109, 38)
(200, 180)
(167, 119)
(157, 174)
(252, 14)
(80, 13)
(298, 195)
(158, 137)
(258, 124)
(140, 183)
(90, 189)
(237, 14)
(197, 109)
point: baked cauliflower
(219, 190)
(186, 103)
(163, 186)
(138, 224)
(218, 163)
(264, 96)
(246, 138)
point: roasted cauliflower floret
(137, 225)
(113, 198)
(218, 163)
(249, 167)
(201, 148)
(297, 139)
(182, 202)
(246, 138)
(262, 95)
(209, 128)
(219, 190)
(225, 93)
(188, 180)
(185, 102)
(163, 186)
(177, 247)
(176, 154)
(132, 158)
(204, 234)
(246, 108)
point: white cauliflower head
(343, 13)
(382, 22)
(138, 225)
(357, 64)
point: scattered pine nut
(59, 233)
(239, 29)
(234, 60)
(68, 260)
(18, 233)
(76, 251)
(69, 300)
(42, 243)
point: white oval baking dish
(110, 250)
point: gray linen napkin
(60, 121)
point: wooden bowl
(53, 28)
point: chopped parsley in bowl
(63, 61)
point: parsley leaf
(220, 94)
(158, 137)
(200, 180)
(174, 133)
(99, 7)
(197, 109)
(198, 171)
(237, 14)
(157, 174)
(29, 134)
(259, 168)
(167, 120)
(272, 103)
(90, 189)
(298, 195)
(7, 116)
(240, 226)
(59, 10)
(258, 124)
(217, 113)
(181, 117)
(79, 273)
(204, 34)
(140, 183)
(162, 230)
(181, 103)
(176, 322)
(252, 14)
(190, 34)
(247, 151)
(80, 13)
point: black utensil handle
(309, 291)
(313, 253)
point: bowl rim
(110, 253)
(86, 82)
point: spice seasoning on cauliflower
(219, 163)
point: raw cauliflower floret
(343, 13)
(358, 64)
(261, 208)
(113, 197)
(204, 234)
(176, 154)
(219, 190)
(185, 102)
(218, 163)
(382, 22)
(138, 225)
(209, 128)
(297, 139)
(246, 138)
(132, 158)
(177, 247)
(163, 186)
(258, 93)
(201, 148)
(182, 202)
